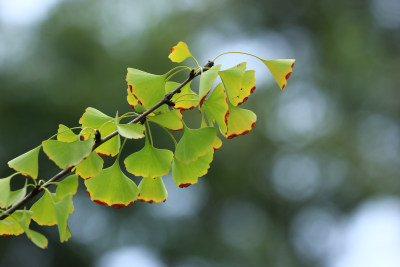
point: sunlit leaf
(67, 186)
(206, 82)
(248, 86)
(112, 146)
(216, 108)
(152, 190)
(10, 226)
(232, 80)
(179, 53)
(281, 69)
(187, 174)
(112, 188)
(217, 143)
(149, 162)
(130, 131)
(5, 191)
(171, 120)
(94, 118)
(67, 154)
(27, 164)
(37, 238)
(133, 102)
(148, 88)
(186, 99)
(90, 167)
(65, 134)
(194, 143)
(62, 208)
(43, 210)
(240, 121)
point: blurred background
(315, 183)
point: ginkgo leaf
(232, 80)
(186, 99)
(206, 82)
(133, 101)
(248, 86)
(10, 226)
(95, 119)
(130, 131)
(194, 143)
(112, 188)
(37, 238)
(27, 164)
(185, 175)
(65, 154)
(17, 195)
(65, 134)
(152, 190)
(179, 53)
(149, 162)
(5, 191)
(148, 88)
(171, 120)
(43, 210)
(62, 208)
(67, 186)
(240, 121)
(281, 69)
(216, 107)
(90, 167)
(217, 143)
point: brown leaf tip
(172, 49)
(288, 75)
(185, 185)
(292, 65)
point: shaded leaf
(90, 167)
(112, 188)
(27, 164)
(206, 82)
(8, 197)
(65, 134)
(10, 226)
(152, 190)
(179, 53)
(171, 120)
(17, 195)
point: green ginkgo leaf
(216, 107)
(149, 162)
(248, 86)
(17, 195)
(65, 154)
(37, 238)
(217, 143)
(281, 69)
(148, 88)
(130, 131)
(67, 186)
(206, 82)
(95, 119)
(133, 101)
(6, 195)
(179, 53)
(185, 175)
(232, 80)
(62, 208)
(27, 164)
(195, 143)
(43, 210)
(90, 167)
(186, 99)
(240, 121)
(171, 120)
(112, 188)
(152, 190)
(65, 134)
(10, 226)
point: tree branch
(140, 118)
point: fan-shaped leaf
(149, 162)
(90, 167)
(187, 174)
(206, 82)
(94, 118)
(240, 121)
(65, 134)
(148, 88)
(10, 226)
(17, 195)
(152, 190)
(37, 238)
(281, 69)
(171, 120)
(179, 53)
(7, 196)
(112, 188)
(232, 79)
(27, 164)
(195, 143)
(216, 108)
(67, 186)
(186, 99)
(130, 131)
(67, 154)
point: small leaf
(112, 188)
(38, 239)
(232, 80)
(195, 143)
(281, 69)
(17, 195)
(130, 131)
(240, 121)
(67, 186)
(179, 53)
(90, 167)
(148, 88)
(27, 164)
(65, 154)
(186, 99)
(10, 226)
(149, 162)
(216, 108)
(185, 175)
(5, 191)
(94, 118)
(171, 120)
(112, 146)
(206, 82)
(152, 190)
(65, 134)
